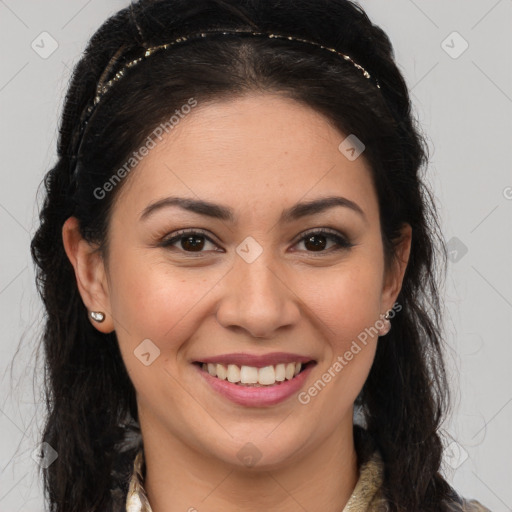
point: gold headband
(104, 86)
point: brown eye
(316, 241)
(190, 241)
(193, 241)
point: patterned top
(366, 496)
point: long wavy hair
(92, 419)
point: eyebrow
(225, 213)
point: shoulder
(454, 503)
(372, 472)
(466, 505)
(474, 506)
(457, 503)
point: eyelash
(341, 241)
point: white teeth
(267, 375)
(280, 372)
(233, 373)
(290, 371)
(250, 375)
(222, 372)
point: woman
(235, 219)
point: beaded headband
(104, 86)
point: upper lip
(258, 361)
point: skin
(257, 154)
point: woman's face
(254, 283)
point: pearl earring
(387, 325)
(97, 316)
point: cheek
(346, 300)
(153, 300)
(346, 306)
(150, 298)
(154, 308)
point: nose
(258, 298)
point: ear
(90, 273)
(395, 275)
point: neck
(322, 477)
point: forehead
(259, 151)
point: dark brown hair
(90, 399)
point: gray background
(464, 103)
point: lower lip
(255, 396)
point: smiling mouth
(251, 376)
